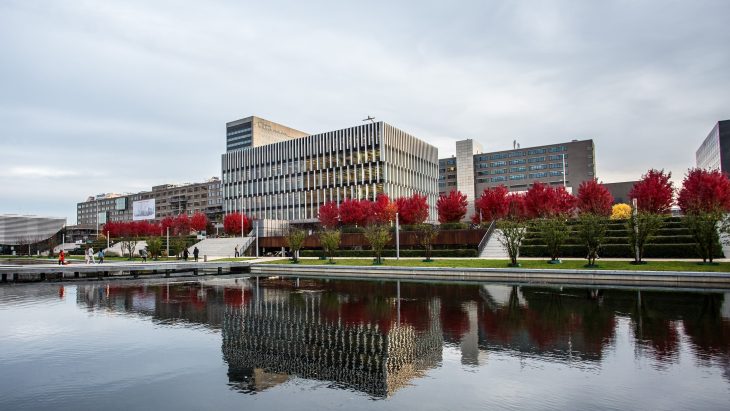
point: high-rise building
(714, 152)
(290, 179)
(255, 131)
(568, 163)
(168, 200)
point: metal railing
(487, 236)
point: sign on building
(143, 210)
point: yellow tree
(620, 211)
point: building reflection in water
(376, 337)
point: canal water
(360, 345)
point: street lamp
(563, 155)
(397, 237)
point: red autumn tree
(233, 222)
(167, 222)
(704, 191)
(653, 193)
(451, 207)
(112, 229)
(383, 210)
(329, 215)
(182, 224)
(492, 204)
(594, 198)
(542, 201)
(516, 209)
(413, 209)
(199, 221)
(145, 228)
(564, 201)
(354, 212)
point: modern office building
(714, 153)
(255, 132)
(28, 229)
(166, 200)
(290, 179)
(471, 171)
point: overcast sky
(119, 96)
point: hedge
(391, 253)
(622, 251)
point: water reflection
(377, 337)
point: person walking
(185, 254)
(143, 254)
(235, 251)
(86, 256)
(101, 256)
(195, 253)
(61, 258)
(91, 255)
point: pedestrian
(235, 251)
(86, 256)
(195, 253)
(101, 256)
(61, 258)
(91, 255)
(143, 254)
(185, 254)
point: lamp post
(397, 237)
(563, 155)
(241, 216)
(168, 242)
(634, 215)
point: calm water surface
(233, 344)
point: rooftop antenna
(514, 144)
(370, 119)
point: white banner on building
(143, 210)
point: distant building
(472, 171)
(714, 152)
(28, 229)
(255, 132)
(168, 200)
(292, 178)
(620, 191)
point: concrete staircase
(494, 249)
(221, 247)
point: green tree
(641, 229)
(177, 244)
(512, 233)
(426, 233)
(704, 228)
(378, 236)
(554, 232)
(592, 232)
(154, 246)
(330, 241)
(295, 240)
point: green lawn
(567, 264)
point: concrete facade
(256, 132)
(518, 168)
(291, 179)
(620, 191)
(714, 152)
(465, 151)
(170, 200)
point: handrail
(487, 236)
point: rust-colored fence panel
(461, 238)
